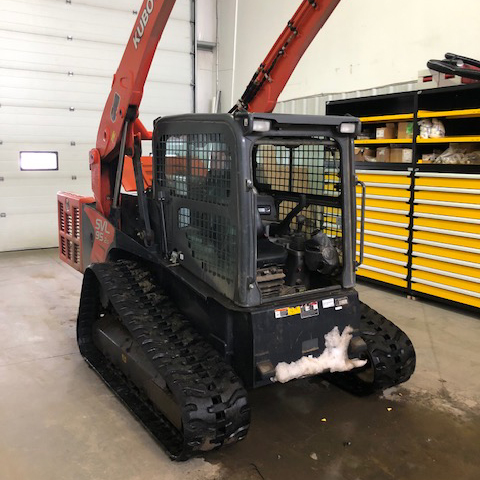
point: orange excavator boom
(120, 129)
(273, 73)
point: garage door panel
(29, 43)
(58, 131)
(50, 90)
(11, 173)
(41, 204)
(68, 155)
(18, 84)
(72, 160)
(10, 170)
(159, 99)
(148, 117)
(40, 183)
(56, 55)
(36, 96)
(37, 190)
(166, 99)
(61, 133)
(85, 21)
(28, 231)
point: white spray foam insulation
(333, 359)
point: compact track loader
(230, 265)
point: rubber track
(213, 402)
(390, 350)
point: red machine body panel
(128, 176)
(77, 217)
(104, 235)
(70, 206)
(120, 129)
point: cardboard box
(363, 154)
(428, 79)
(276, 175)
(401, 155)
(405, 130)
(448, 80)
(369, 154)
(387, 132)
(428, 157)
(359, 155)
(383, 154)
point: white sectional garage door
(57, 59)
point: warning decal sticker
(307, 310)
(328, 303)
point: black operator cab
(258, 206)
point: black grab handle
(453, 64)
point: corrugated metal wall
(57, 59)
(316, 105)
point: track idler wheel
(389, 353)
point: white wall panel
(364, 44)
(205, 80)
(226, 51)
(206, 21)
(37, 94)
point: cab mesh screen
(285, 171)
(195, 172)
(195, 166)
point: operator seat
(268, 252)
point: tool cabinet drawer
(380, 275)
(385, 192)
(453, 241)
(440, 248)
(446, 292)
(385, 176)
(457, 181)
(446, 223)
(447, 266)
(387, 228)
(391, 205)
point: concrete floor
(58, 421)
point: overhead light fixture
(348, 127)
(261, 125)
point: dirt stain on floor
(309, 429)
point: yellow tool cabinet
(446, 236)
(422, 232)
(386, 236)
(422, 218)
